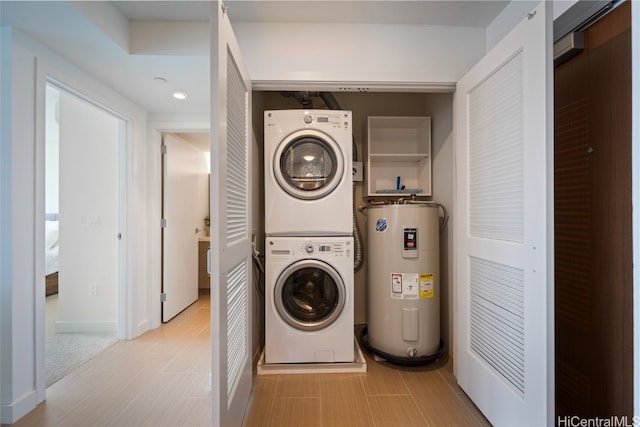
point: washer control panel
(292, 248)
(331, 249)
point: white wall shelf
(398, 147)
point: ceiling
(449, 12)
(97, 36)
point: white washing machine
(309, 300)
(308, 173)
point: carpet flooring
(66, 352)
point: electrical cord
(444, 217)
(258, 272)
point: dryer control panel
(338, 120)
(327, 120)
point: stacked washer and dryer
(309, 277)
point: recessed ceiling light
(179, 95)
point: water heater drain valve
(412, 352)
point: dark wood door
(593, 235)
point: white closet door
(180, 236)
(230, 224)
(504, 231)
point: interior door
(593, 223)
(504, 230)
(183, 220)
(231, 234)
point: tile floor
(161, 379)
(385, 395)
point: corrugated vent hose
(358, 251)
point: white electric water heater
(403, 281)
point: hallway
(158, 379)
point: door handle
(209, 261)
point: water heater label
(409, 242)
(410, 239)
(381, 225)
(404, 285)
(426, 286)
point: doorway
(593, 228)
(185, 220)
(82, 216)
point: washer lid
(308, 164)
(309, 295)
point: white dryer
(309, 300)
(308, 173)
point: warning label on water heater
(404, 285)
(412, 285)
(426, 286)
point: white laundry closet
(439, 106)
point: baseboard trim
(12, 412)
(64, 326)
(142, 327)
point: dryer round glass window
(309, 295)
(308, 164)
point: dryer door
(308, 164)
(309, 295)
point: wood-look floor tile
(261, 401)
(342, 386)
(295, 412)
(193, 358)
(199, 387)
(383, 380)
(343, 402)
(298, 385)
(145, 411)
(162, 379)
(438, 402)
(48, 413)
(167, 386)
(190, 412)
(101, 412)
(394, 411)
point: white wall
(18, 354)
(510, 16)
(285, 52)
(440, 108)
(22, 286)
(561, 6)
(5, 194)
(515, 12)
(52, 151)
(89, 207)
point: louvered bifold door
(230, 224)
(503, 287)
